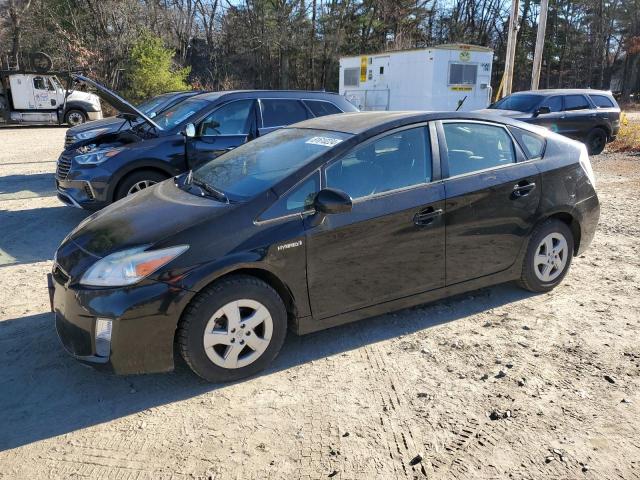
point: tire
(542, 271)
(235, 358)
(135, 182)
(596, 141)
(75, 117)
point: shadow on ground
(34, 235)
(26, 186)
(45, 393)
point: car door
(492, 197)
(279, 112)
(552, 120)
(225, 128)
(578, 117)
(43, 97)
(391, 244)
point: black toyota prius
(325, 222)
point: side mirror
(329, 200)
(152, 115)
(189, 130)
(542, 111)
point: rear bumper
(144, 319)
(589, 213)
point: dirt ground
(495, 384)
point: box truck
(445, 77)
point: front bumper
(94, 115)
(144, 319)
(82, 187)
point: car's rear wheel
(548, 256)
(75, 117)
(232, 329)
(138, 181)
(596, 141)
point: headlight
(97, 156)
(129, 266)
(585, 163)
(89, 134)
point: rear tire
(596, 141)
(137, 181)
(242, 321)
(548, 256)
(75, 117)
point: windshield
(180, 112)
(258, 165)
(520, 103)
(153, 105)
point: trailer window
(352, 77)
(462, 74)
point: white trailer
(446, 77)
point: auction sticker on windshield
(324, 141)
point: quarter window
(296, 200)
(462, 74)
(320, 109)
(532, 144)
(576, 102)
(230, 119)
(602, 101)
(398, 160)
(475, 146)
(278, 113)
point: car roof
(563, 91)
(213, 96)
(359, 122)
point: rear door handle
(426, 216)
(522, 189)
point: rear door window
(321, 108)
(576, 102)
(281, 112)
(476, 146)
(602, 101)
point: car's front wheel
(548, 256)
(138, 181)
(232, 329)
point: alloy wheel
(550, 259)
(141, 185)
(238, 334)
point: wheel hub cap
(551, 257)
(238, 334)
(136, 187)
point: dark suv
(96, 172)
(590, 116)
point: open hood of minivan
(116, 100)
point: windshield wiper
(205, 187)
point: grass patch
(629, 136)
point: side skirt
(306, 325)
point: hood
(146, 218)
(111, 123)
(116, 100)
(505, 113)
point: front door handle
(426, 216)
(522, 189)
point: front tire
(596, 141)
(138, 181)
(232, 329)
(548, 256)
(75, 117)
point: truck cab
(40, 99)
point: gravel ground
(498, 383)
